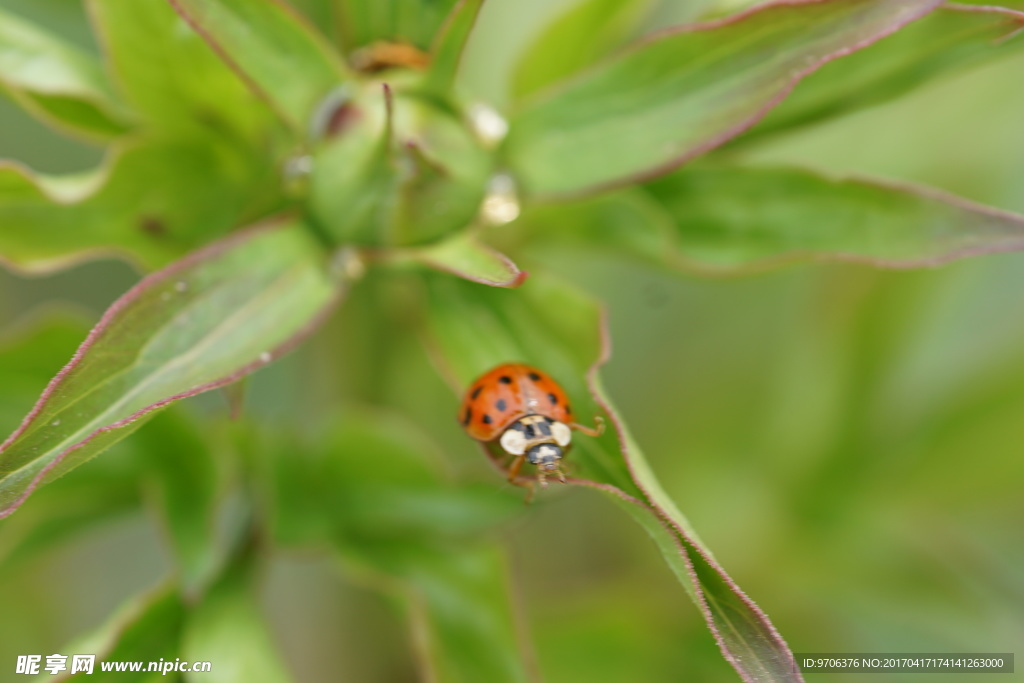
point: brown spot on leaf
(153, 226)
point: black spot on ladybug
(553, 399)
(501, 405)
(476, 392)
(505, 379)
(534, 376)
(469, 415)
(487, 419)
(530, 433)
(568, 410)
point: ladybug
(527, 413)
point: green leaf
(283, 59)
(460, 609)
(952, 37)
(690, 220)
(229, 630)
(332, 490)
(321, 13)
(627, 223)
(203, 322)
(447, 48)
(410, 21)
(71, 506)
(560, 330)
(57, 82)
(144, 629)
(28, 356)
(789, 214)
(749, 641)
(464, 255)
(679, 94)
(588, 31)
(130, 206)
(185, 485)
(375, 489)
(170, 75)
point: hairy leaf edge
(682, 535)
(686, 264)
(743, 126)
(114, 310)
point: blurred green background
(848, 441)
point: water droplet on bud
(500, 205)
(488, 124)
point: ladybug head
(528, 434)
(542, 441)
(545, 456)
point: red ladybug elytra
(527, 413)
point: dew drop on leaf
(348, 264)
(298, 167)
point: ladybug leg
(597, 430)
(513, 470)
(513, 478)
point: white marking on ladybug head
(513, 442)
(561, 432)
(545, 456)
